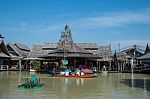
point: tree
(35, 64)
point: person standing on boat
(104, 68)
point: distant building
(125, 56)
(145, 59)
(76, 53)
(4, 55)
(18, 56)
(12, 55)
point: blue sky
(100, 21)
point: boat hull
(83, 76)
(104, 72)
(32, 70)
(25, 86)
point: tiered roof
(66, 47)
(3, 50)
(146, 54)
(19, 50)
(134, 51)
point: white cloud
(116, 19)
(40, 28)
(101, 20)
(127, 43)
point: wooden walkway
(142, 69)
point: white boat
(104, 72)
(32, 70)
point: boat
(104, 72)
(73, 76)
(32, 83)
(30, 86)
(32, 70)
(87, 71)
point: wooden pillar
(85, 61)
(118, 65)
(20, 65)
(99, 66)
(123, 65)
(109, 65)
(74, 63)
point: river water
(110, 86)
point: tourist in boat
(68, 72)
(53, 72)
(77, 72)
(82, 73)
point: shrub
(35, 64)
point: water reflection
(110, 86)
(139, 83)
(132, 81)
(75, 81)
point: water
(110, 86)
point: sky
(115, 22)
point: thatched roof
(74, 51)
(3, 50)
(66, 45)
(121, 56)
(88, 45)
(39, 50)
(135, 49)
(22, 47)
(61, 55)
(52, 50)
(101, 50)
(18, 50)
(146, 56)
(3, 55)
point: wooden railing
(142, 68)
(4, 67)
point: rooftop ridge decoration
(66, 39)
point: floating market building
(86, 54)
(19, 56)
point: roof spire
(147, 49)
(1, 37)
(66, 27)
(66, 38)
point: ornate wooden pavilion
(89, 54)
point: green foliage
(35, 64)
